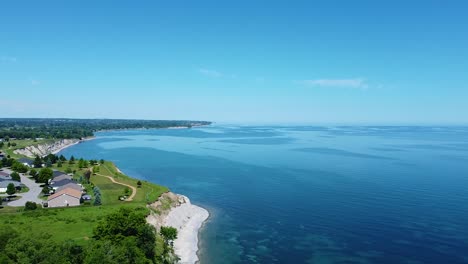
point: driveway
(32, 195)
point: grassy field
(77, 223)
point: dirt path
(134, 190)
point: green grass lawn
(75, 223)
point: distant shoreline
(72, 144)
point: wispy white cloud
(210, 73)
(357, 83)
(8, 59)
(215, 74)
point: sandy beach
(188, 219)
(71, 144)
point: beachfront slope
(177, 211)
(45, 149)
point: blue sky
(343, 62)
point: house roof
(4, 174)
(70, 185)
(5, 183)
(62, 177)
(61, 182)
(67, 191)
(26, 160)
(57, 173)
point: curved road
(32, 195)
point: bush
(30, 206)
(15, 176)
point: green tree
(33, 172)
(30, 206)
(126, 223)
(11, 189)
(37, 162)
(101, 161)
(72, 160)
(87, 175)
(19, 167)
(45, 174)
(62, 158)
(68, 170)
(169, 233)
(139, 184)
(45, 190)
(81, 163)
(59, 164)
(34, 247)
(15, 176)
(97, 200)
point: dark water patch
(387, 149)
(153, 139)
(339, 152)
(111, 139)
(259, 141)
(451, 147)
(197, 133)
(218, 149)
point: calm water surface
(310, 194)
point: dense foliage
(122, 237)
(21, 128)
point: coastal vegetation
(110, 228)
(45, 128)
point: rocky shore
(177, 211)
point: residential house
(57, 173)
(27, 162)
(57, 184)
(72, 185)
(4, 185)
(4, 176)
(64, 198)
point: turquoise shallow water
(303, 194)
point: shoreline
(187, 218)
(72, 144)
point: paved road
(32, 195)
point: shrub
(30, 206)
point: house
(4, 185)
(64, 198)
(72, 186)
(57, 173)
(57, 184)
(4, 176)
(26, 162)
(61, 177)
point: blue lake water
(303, 194)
